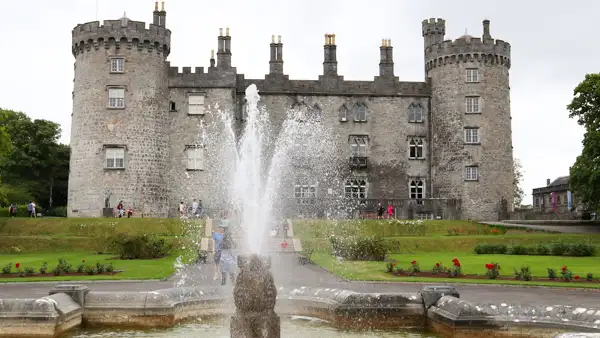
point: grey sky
(551, 52)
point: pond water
(301, 327)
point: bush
(582, 250)
(552, 274)
(493, 270)
(56, 212)
(491, 249)
(542, 250)
(140, 246)
(520, 249)
(523, 274)
(359, 249)
(589, 277)
(558, 249)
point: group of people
(196, 209)
(380, 210)
(12, 210)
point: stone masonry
(168, 144)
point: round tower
(119, 132)
(471, 123)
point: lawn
(470, 263)
(133, 269)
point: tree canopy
(585, 173)
(34, 166)
(517, 178)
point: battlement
(121, 32)
(434, 26)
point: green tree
(517, 179)
(36, 165)
(585, 173)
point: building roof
(560, 180)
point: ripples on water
(301, 327)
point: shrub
(7, 269)
(109, 267)
(100, 268)
(542, 250)
(520, 249)
(81, 267)
(438, 269)
(390, 266)
(558, 249)
(90, 270)
(413, 268)
(57, 270)
(359, 249)
(490, 249)
(140, 246)
(523, 274)
(581, 250)
(455, 270)
(552, 274)
(493, 270)
(29, 271)
(64, 266)
(44, 268)
(566, 274)
(589, 277)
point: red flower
(284, 244)
(18, 265)
(437, 264)
(489, 266)
(83, 261)
(457, 264)
(576, 277)
(564, 268)
(413, 262)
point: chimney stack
(330, 59)
(276, 63)
(224, 51)
(156, 15)
(547, 182)
(386, 63)
(486, 30)
(162, 15)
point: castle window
(305, 193)
(472, 75)
(472, 136)
(115, 158)
(471, 173)
(116, 97)
(417, 189)
(537, 201)
(415, 113)
(360, 113)
(117, 65)
(557, 199)
(195, 158)
(358, 146)
(196, 104)
(415, 148)
(172, 106)
(473, 104)
(356, 188)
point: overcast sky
(553, 47)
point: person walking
(217, 236)
(379, 211)
(390, 210)
(31, 209)
(228, 258)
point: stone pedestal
(259, 325)
(76, 291)
(108, 212)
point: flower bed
(492, 271)
(63, 268)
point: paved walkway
(289, 273)
(567, 229)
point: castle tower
(119, 133)
(470, 122)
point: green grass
(133, 269)
(470, 263)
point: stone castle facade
(441, 147)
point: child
(228, 258)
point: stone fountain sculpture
(254, 296)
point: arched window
(417, 189)
(415, 113)
(415, 148)
(356, 188)
(360, 112)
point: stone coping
(439, 305)
(456, 314)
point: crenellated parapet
(123, 33)
(485, 50)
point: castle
(438, 148)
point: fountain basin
(437, 309)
